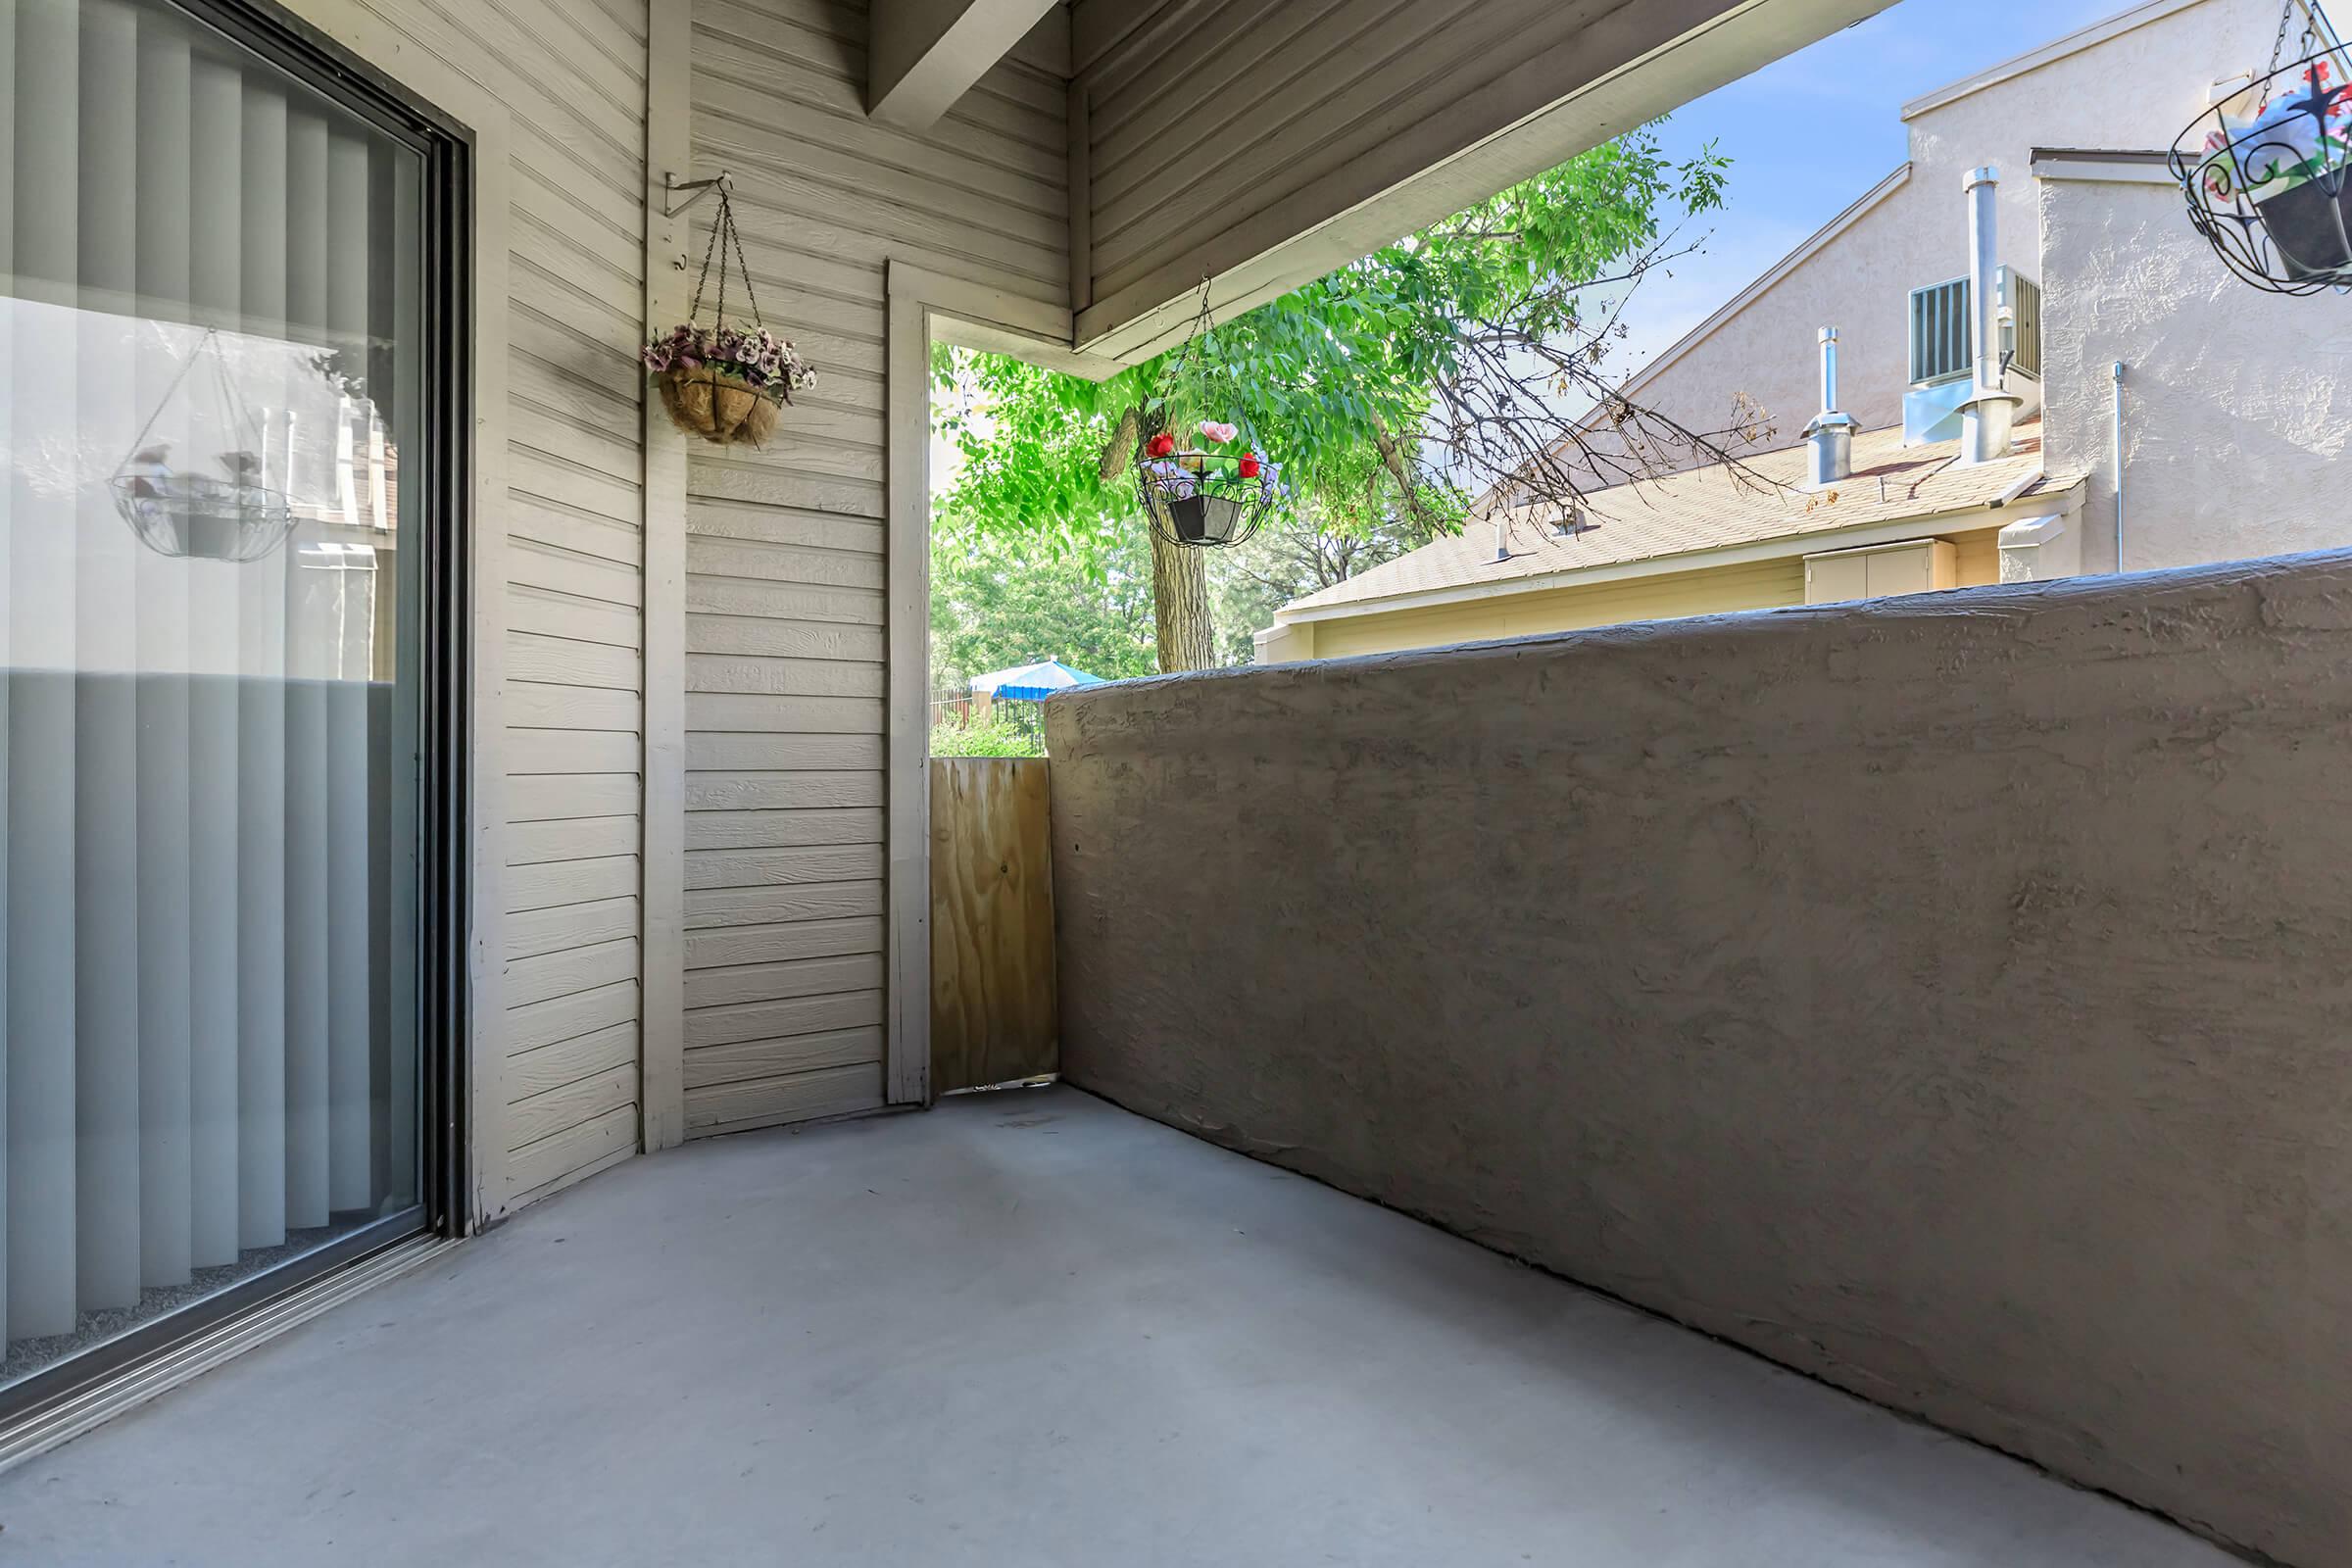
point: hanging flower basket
(2268, 176)
(725, 384)
(1202, 498)
(1207, 495)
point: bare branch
(1539, 417)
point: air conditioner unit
(1942, 363)
(2040, 550)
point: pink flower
(1219, 433)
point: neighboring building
(1702, 542)
(2132, 81)
(2097, 265)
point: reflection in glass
(211, 728)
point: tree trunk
(1180, 607)
(1393, 456)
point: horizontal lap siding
(573, 74)
(786, 555)
(1215, 113)
(1723, 590)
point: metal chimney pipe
(1986, 417)
(1983, 270)
(1829, 438)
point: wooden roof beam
(922, 54)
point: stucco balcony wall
(1944, 996)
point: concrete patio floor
(1024, 1328)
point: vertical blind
(209, 735)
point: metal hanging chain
(1199, 341)
(724, 224)
(2318, 35)
(245, 424)
(1202, 341)
(1204, 325)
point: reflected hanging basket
(2265, 173)
(725, 384)
(233, 514)
(1214, 493)
(211, 519)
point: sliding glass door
(218, 537)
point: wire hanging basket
(1199, 498)
(725, 384)
(2267, 172)
(235, 515)
(1209, 495)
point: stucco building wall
(2237, 403)
(1942, 995)
(2136, 85)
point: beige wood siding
(1299, 90)
(572, 76)
(1688, 593)
(1976, 557)
(1976, 560)
(1263, 142)
(786, 630)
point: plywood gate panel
(992, 1016)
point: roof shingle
(1707, 508)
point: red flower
(1249, 465)
(1160, 445)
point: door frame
(927, 309)
(465, 875)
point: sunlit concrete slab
(1023, 1328)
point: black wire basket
(2267, 177)
(1199, 499)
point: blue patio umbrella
(1033, 683)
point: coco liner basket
(725, 384)
(719, 406)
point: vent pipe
(1986, 417)
(1829, 438)
(2117, 372)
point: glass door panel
(209, 379)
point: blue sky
(1809, 133)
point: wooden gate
(992, 922)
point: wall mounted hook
(694, 191)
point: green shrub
(998, 737)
